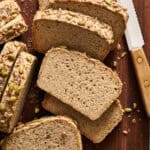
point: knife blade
(135, 43)
(133, 32)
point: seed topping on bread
(14, 87)
(13, 29)
(74, 18)
(7, 58)
(9, 10)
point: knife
(135, 43)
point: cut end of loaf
(85, 84)
(46, 133)
(77, 31)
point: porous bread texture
(13, 29)
(9, 9)
(51, 133)
(78, 31)
(96, 130)
(8, 57)
(84, 83)
(111, 13)
(16, 90)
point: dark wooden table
(137, 137)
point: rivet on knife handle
(143, 75)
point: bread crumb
(125, 132)
(129, 116)
(37, 109)
(134, 105)
(127, 110)
(123, 54)
(119, 46)
(115, 63)
(118, 57)
(133, 120)
(1, 142)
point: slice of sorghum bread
(51, 133)
(75, 30)
(84, 83)
(109, 12)
(9, 10)
(96, 130)
(16, 90)
(8, 57)
(12, 29)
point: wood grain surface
(137, 137)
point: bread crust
(96, 130)
(111, 13)
(8, 57)
(9, 10)
(16, 90)
(13, 29)
(77, 31)
(41, 122)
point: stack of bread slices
(16, 71)
(75, 36)
(78, 84)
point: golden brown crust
(113, 6)
(16, 90)
(96, 130)
(78, 19)
(32, 125)
(13, 29)
(9, 10)
(8, 56)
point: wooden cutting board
(137, 137)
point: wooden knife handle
(143, 75)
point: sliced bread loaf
(16, 90)
(9, 10)
(77, 31)
(111, 12)
(12, 29)
(95, 130)
(85, 84)
(8, 57)
(51, 133)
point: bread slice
(12, 29)
(8, 57)
(75, 30)
(85, 84)
(51, 133)
(111, 13)
(16, 90)
(9, 10)
(96, 130)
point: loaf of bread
(12, 29)
(95, 130)
(8, 57)
(84, 83)
(16, 90)
(111, 12)
(9, 10)
(51, 133)
(75, 30)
